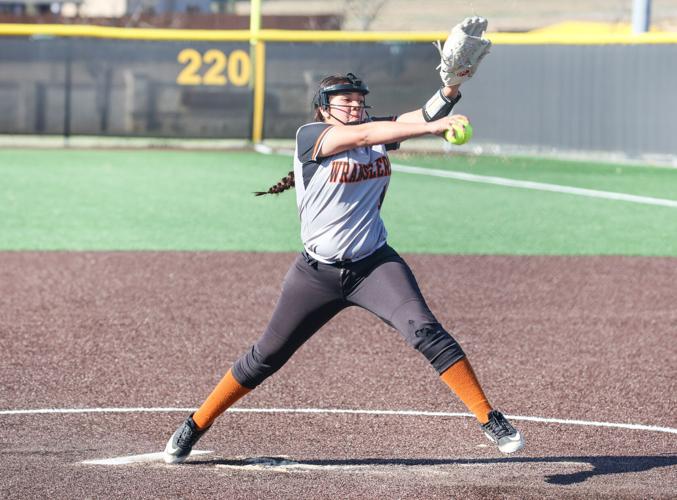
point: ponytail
(284, 184)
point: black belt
(339, 263)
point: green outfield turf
(186, 200)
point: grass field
(182, 200)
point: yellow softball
(459, 134)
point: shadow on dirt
(609, 465)
(601, 465)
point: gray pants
(313, 293)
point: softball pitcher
(341, 174)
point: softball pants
(313, 293)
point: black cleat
(182, 441)
(499, 431)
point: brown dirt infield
(584, 338)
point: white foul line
(540, 186)
(325, 411)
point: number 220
(236, 65)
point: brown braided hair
(284, 184)
(288, 181)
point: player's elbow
(364, 138)
(357, 136)
(367, 134)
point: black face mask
(365, 114)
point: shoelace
(499, 426)
(185, 437)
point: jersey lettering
(344, 172)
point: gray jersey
(339, 197)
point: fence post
(259, 91)
(257, 52)
(641, 16)
(67, 89)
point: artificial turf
(202, 200)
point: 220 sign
(221, 69)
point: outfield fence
(607, 93)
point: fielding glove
(463, 51)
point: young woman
(341, 174)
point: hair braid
(288, 181)
(284, 184)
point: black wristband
(439, 106)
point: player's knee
(254, 367)
(435, 343)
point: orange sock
(224, 395)
(461, 378)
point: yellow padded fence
(531, 38)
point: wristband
(439, 106)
